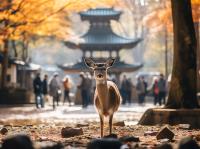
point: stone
(125, 146)
(150, 133)
(158, 116)
(164, 140)
(17, 142)
(126, 139)
(4, 131)
(197, 137)
(82, 125)
(165, 146)
(184, 126)
(188, 143)
(111, 136)
(119, 124)
(164, 133)
(51, 145)
(43, 138)
(71, 132)
(105, 143)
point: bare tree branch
(14, 11)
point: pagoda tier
(100, 15)
(100, 36)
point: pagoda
(100, 42)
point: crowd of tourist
(53, 89)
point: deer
(107, 98)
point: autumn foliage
(43, 17)
(22, 19)
(162, 15)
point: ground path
(73, 114)
(44, 125)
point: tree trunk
(14, 48)
(4, 64)
(166, 51)
(196, 26)
(183, 87)
(24, 58)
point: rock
(119, 124)
(184, 126)
(29, 125)
(165, 146)
(197, 137)
(4, 131)
(188, 143)
(51, 145)
(82, 125)
(164, 140)
(111, 136)
(17, 142)
(105, 143)
(71, 132)
(126, 139)
(43, 138)
(7, 125)
(32, 131)
(150, 133)
(125, 146)
(164, 133)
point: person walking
(37, 85)
(140, 86)
(83, 88)
(129, 90)
(89, 88)
(124, 88)
(145, 86)
(67, 87)
(156, 92)
(45, 88)
(54, 88)
(162, 88)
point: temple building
(100, 42)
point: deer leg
(102, 124)
(110, 123)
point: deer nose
(100, 76)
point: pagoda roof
(117, 67)
(103, 13)
(100, 36)
(103, 39)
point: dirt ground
(44, 126)
(42, 133)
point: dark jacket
(162, 85)
(37, 84)
(83, 85)
(45, 87)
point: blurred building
(100, 43)
(19, 85)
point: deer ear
(89, 62)
(110, 62)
